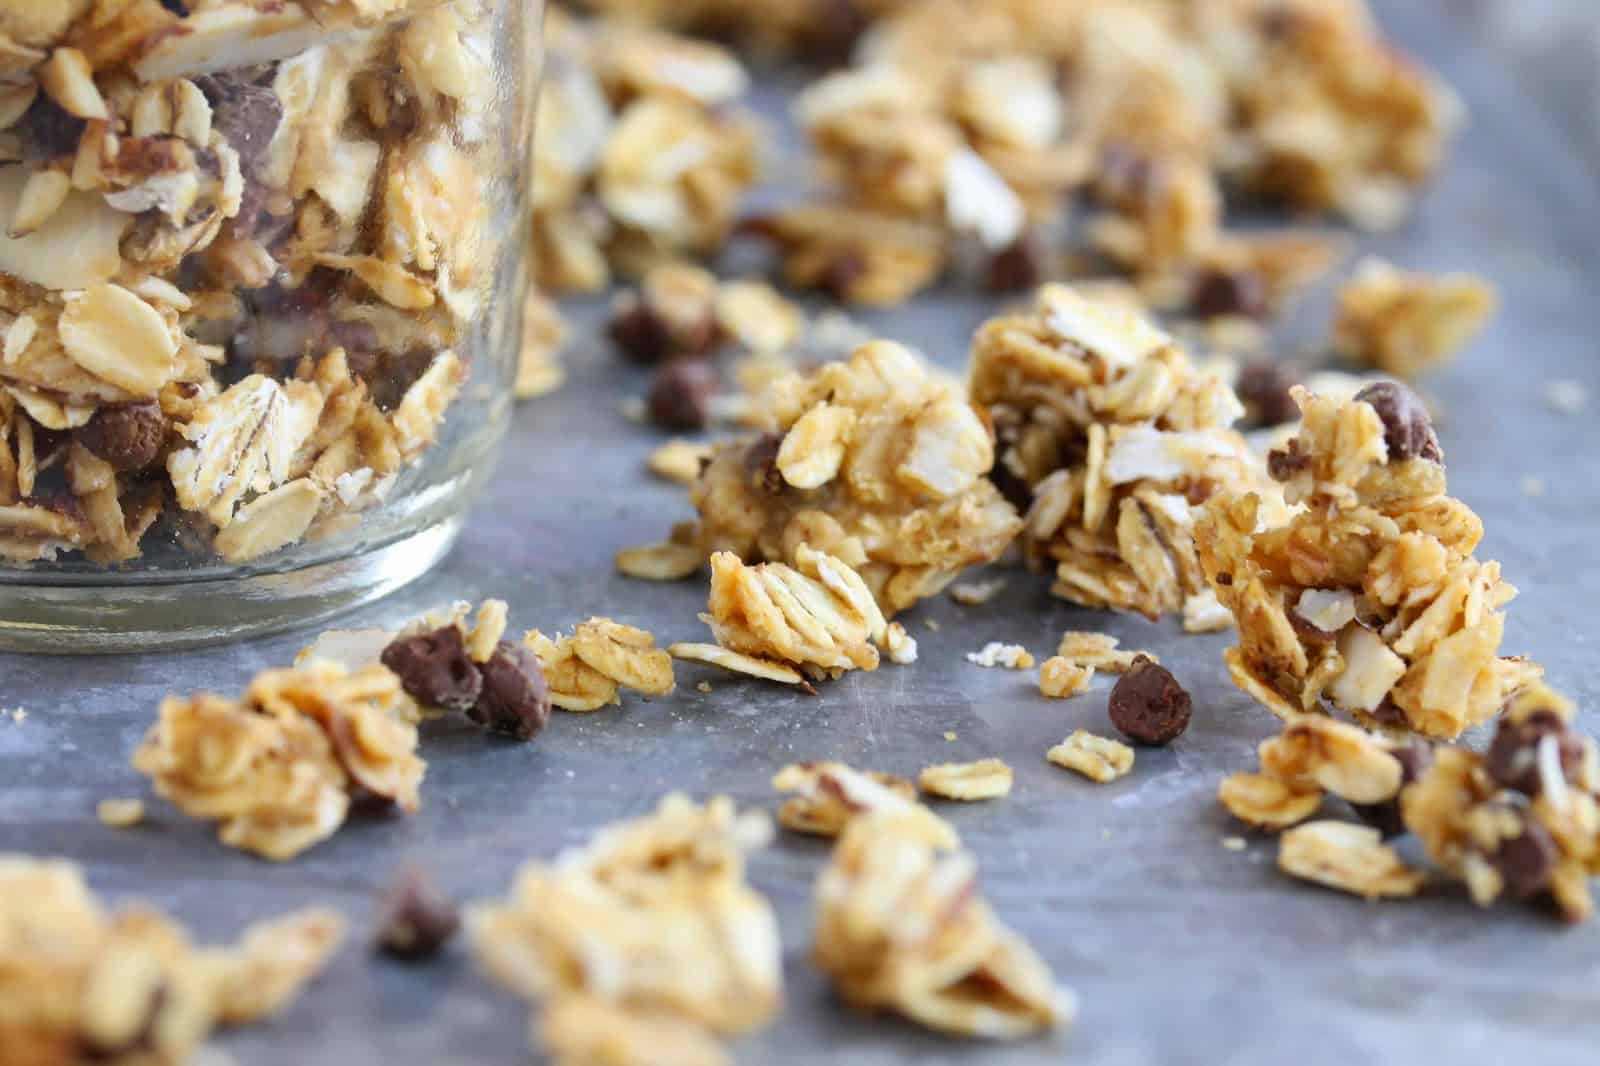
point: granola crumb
(932, 624)
(679, 460)
(996, 654)
(120, 813)
(1349, 858)
(1232, 843)
(976, 593)
(1532, 486)
(980, 780)
(1566, 397)
(949, 736)
(702, 686)
(901, 646)
(1060, 678)
(1098, 758)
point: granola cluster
(1406, 324)
(236, 300)
(878, 461)
(80, 985)
(1112, 434)
(902, 926)
(1369, 596)
(586, 670)
(1315, 756)
(650, 931)
(825, 796)
(641, 154)
(278, 768)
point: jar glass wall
(261, 271)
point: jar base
(91, 619)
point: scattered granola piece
(653, 918)
(878, 461)
(1566, 397)
(415, 921)
(1232, 843)
(827, 795)
(1113, 433)
(901, 926)
(1532, 486)
(1370, 594)
(679, 460)
(663, 561)
(278, 767)
(1522, 821)
(1350, 858)
(949, 736)
(671, 316)
(583, 672)
(981, 780)
(976, 593)
(1148, 705)
(1407, 324)
(994, 653)
(1099, 651)
(1266, 802)
(1314, 754)
(120, 813)
(1060, 678)
(900, 645)
(86, 985)
(819, 617)
(1100, 759)
(702, 686)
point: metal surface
(1181, 951)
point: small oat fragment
(994, 653)
(1350, 858)
(980, 780)
(679, 460)
(415, 920)
(702, 686)
(1098, 758)
(665, 561)
(1098, 650)
(976, 593)
(901, 646)
(120, 813)
(949, 736)
(1266, 802)
(1232, 843)
(1566, 397)
(1148, 705)
(1060, 678)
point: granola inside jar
(260, 289)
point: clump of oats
(981, 780)
(1098, 758)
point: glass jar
(260, 293)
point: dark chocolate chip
(1287, 462)
(1015, 268)
(1263, 387)
(246, 113)
(1407, 429)
(1148, 705)
(47, 131)
(177, 7)
(680, 396)
(415, 920)
(435, 669)
(1526, 861)
(129, 436)
(1219, 292)
(640, 335)
(515, 700)
(1513, 755)
(761, 461)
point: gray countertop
(1181, 951)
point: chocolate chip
(1288, 462)
(1015, 268)
(1513, 755)
(1526, 861)
(1219, 292)
(761, 461)
(832, 29)
(1407, 429)
(47, 131)
(177, 7)
(1148, 705)
(1386, 816)
(640, 335)
(128, 436)
(435, 669)
(515, 700)
(680, 396)
(1263, 387)
(246, 112)
(415, 920)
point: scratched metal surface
(1182, 952)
